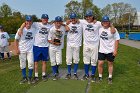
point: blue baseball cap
(58, 19)
(89, 13)
(105, 18)
(1, 27)
(28, 18)
(45, 16)
(73, 15)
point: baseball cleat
(23, 80)
(109, 80)
(76, 77)
(93, 79)
(68, 76)
(85, 77)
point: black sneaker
(93, 79)
(44, 78)
(55, 77)
(68, 76)
(109, 80)
(29, 80)
(23, 80)
(100, 79)
(76, 77)
(35, 80)
(85, 77)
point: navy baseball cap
(105, 18)
(58, 19)
(1, 27)
(73, 15)
(45, 16)
(28, 18)
(89, 13)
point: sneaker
(29, 80)
(85, 77)
(100, 79)
(23, 80)
(109, 80)
(75, 76)
(68, 76)
(93, 79)
(35, 80)
(44, 78)
(55, 77)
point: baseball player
(24, 47)
(56, 40)
(91, 43)
(40, 48)
(108, 48)
(74, 40)
(4, 43)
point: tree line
(121, 14)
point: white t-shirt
(74, 36)
(26, 40)
(107, 40)
(41, 36)
(53, 34)
(91, 33)
(4, 39)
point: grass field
(126, 78)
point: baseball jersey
(54, 34)
(26, 40)
(74, 36)
(91, 33)
(4, 39)
(41, 36)
(107, 40)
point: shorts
(109, 57)
(40, 53)
(4, 49)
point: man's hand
(112, 29)
(115, 53)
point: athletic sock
(93, 70)
(75, 68)
(100, 75)
(30, 73)
(69, 69)
(24, 72)
(54, 69)
(110, 76)
(43, 73)
(36, 74)
(86, 67)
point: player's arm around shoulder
(16, 43)
(112, 29)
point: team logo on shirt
(29, 36)
(3, 36)
(73, 29)
(43, 30)
(89, 28)
(104, 35)
(58, 34)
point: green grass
(126, 78)
(60, 86)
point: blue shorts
(40, 53)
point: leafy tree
(5, 10)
